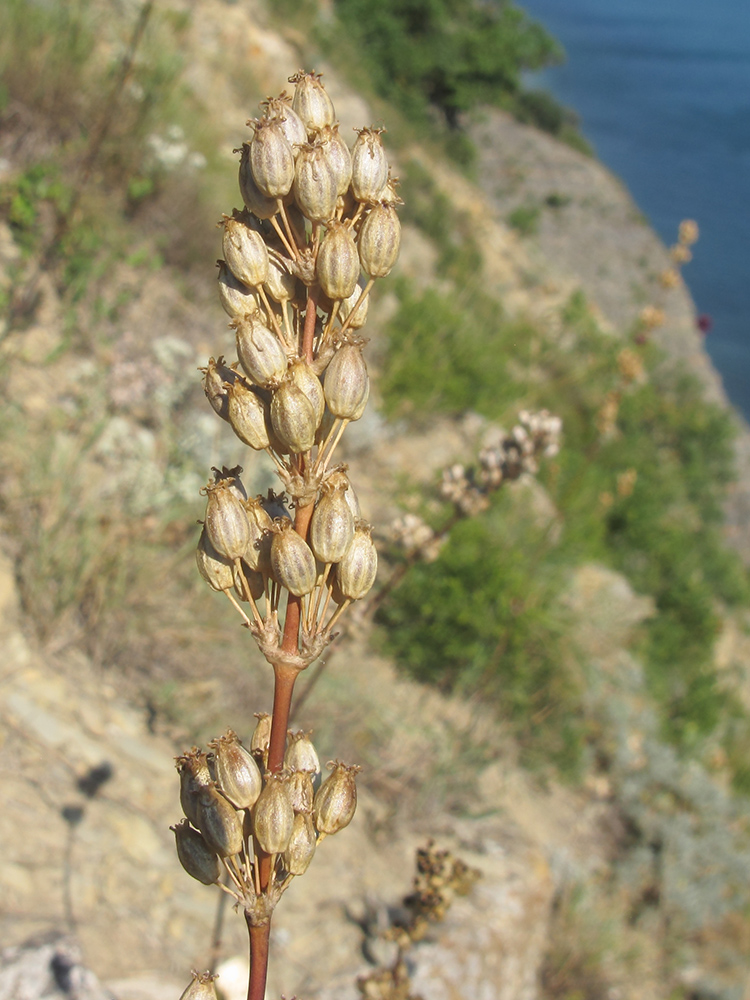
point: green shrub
(446, 354)
(485, 620)
(525, 219)
(538, 107)
(541, 109)
(452, 56)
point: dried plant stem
(329, 325)
(331, 432)
(287, 225)
(259, 936)
(284, 678)
(272, 317)
(360, 300)
(282, 700)
(308, 334)
(218, 931)
(290, 248)
(333, 447)
(236, 604)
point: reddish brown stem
(282, 700)
(259, 935)
(284, 684)
(311, 314)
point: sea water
(663, 91)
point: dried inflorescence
(237, 812)
(319, 226)
(652, 316)
(536, 435)
(440, 878)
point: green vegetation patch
(642, 494)
(452, 56)
(485, 620)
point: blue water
(663, 91)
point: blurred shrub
(525, 219)
(485, 620)
(452, 56)
(47, 58)
(465, 339)
(103, 122)
(538, 107)
(432, 211)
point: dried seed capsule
(389, 195)
(301, 793)
(255, 201)
(369, 165)
(226, 522)
(248, 415)
(215, 375)
(353, 500)
(305, 378)
(356, 317)
(271, 159)
(250, 578)
(195, 856)
(261, 734)
(280, 284)
(314, 184)
(237, 773)
(273, 818)
(237, 300)
(379, 241)
(245, 251)
(336, 799)
(233, 481)
(326, 426)
(260, 522)
(347, 384)
(280, 111)
(275, 505)
(301, 754)
(356, 572)
(219, 823)
(194, 775)
(311, 102)
(292, 561)
(339, 480)
(337, 265)
(332, 525)
(293, 417)
(201, 988)
(338, 156)
(299, 853)
(261, 355)
(216, 571)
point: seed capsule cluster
(535, 436)
(440, 878)
(236, 813)
(318, 227)
(250, 550)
